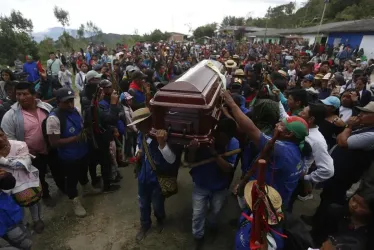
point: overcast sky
(125, 16)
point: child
(11, 216)
(64, 77)
(116, 176)
(27, 192)
(131, 132)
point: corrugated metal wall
(353, 39)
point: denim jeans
(150, 194)
(201, 197)
(19, 237)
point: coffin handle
(169, 130)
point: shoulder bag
(168, 184)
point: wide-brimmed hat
(369, 108)
(274, 198)
(235, 57)
(140, 115)
(230, 64)
(239, 72)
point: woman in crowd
(6, 76)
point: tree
(15, 38)
(62, 16)
(81, 31)
(232, 21)
(45, 47)
(93, 31)
(206, 30)
(155, 36)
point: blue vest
(74, 125)
(139, 97)
(10, 213)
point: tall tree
(93, 31)
(206, 30)
(62, 16)
(15, 38)
(81, 31)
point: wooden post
(258, 225)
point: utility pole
(320, 23)
(266, 25)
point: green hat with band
(299, 127)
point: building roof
(365, 25)
(176, 33)
(246, 28)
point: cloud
(124, 17)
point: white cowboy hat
(140, 115)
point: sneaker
(78, 208)
(160, 226)
(89, 190)
(38, 227)
(49, 201)
(110, 188)
(305, 198)
(141, 234)
(116, 180)
(123, 164)
(119, 175)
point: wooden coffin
(189, 107)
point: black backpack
(57, 112)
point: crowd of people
(308, 112)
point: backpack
(57, 112)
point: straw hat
(235, 57)
(319, 77)
(140, 115)
(230, 64)
(239, 72)
(283, 73)
(274, 197)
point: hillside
(285, 16)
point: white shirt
(345, 113)
(64, 77)
(79, 80)
(321, 157)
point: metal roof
(365, 25)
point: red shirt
(79, 63)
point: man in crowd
(31, 68)
(211, 180)
(53, 65)
(157, 158)
(23, 122)
(65, 131)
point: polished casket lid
(199, 87)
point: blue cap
(309, 77)
(332, 101)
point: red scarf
(135, 86)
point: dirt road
(113, 220)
